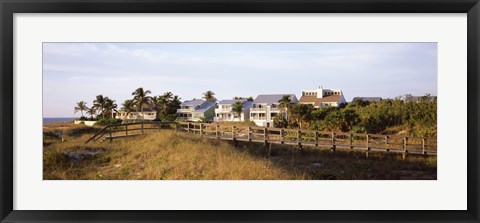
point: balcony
(258, 109)
(185, 110)
(258, 118)
(223, 110)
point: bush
(108, 121)
(280, 121)
(168, 118)
(83, 118)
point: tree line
(417, 118)
(165, 105)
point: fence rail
(299, 138)
(355, 141)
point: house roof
(193, 103)
(316, 101)
(146, 108)
(374, 99)
(229, 102)
(207, 105)
(246, 104)
(270, 99)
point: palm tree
(81, 106)
(91, 111)
(173, 105)
(209, 96)
(110, 106)
(285, 103)
(99, 104)
(238, 108)
(128, 106)
(140, 97)
(159, 103)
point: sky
(74, 72)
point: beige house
(196, 110)
(321, 97)
(224, 111)
(266, 107)
(147, 114)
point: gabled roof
(193, 103)
(270, 99)
(246, 104)
(146, 108)
(317, 101)
(207, 105)
(229, 102)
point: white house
(147, 114)
(321, 97)
(265, 108)
(224, 111)
(195, 110)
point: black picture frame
(9, 7)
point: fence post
(142, 126)
(299, 139)
(188, 127)
(351, 140)
(249, 133)
(334, 147)
(126, 130)
(368, 145)
(282, 135)
(386, 144)
(423, 146)
(216, 132)
(265, 133)
(233, 133)
(201, 129)
(405, 151)
(110, 130)
(316, 138)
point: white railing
(185, 110)
(218, 110)
(258, 118)
(258, 109)
(217, 119)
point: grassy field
(167, 155)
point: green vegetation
(238, 108)
(209, 96)
(108, 121)
(243, 98)
(81, 106)
(140, 97)
(415, 118)
(165, 105)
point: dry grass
(167, 155)
(162, 155)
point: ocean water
(51, 120)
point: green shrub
(108, 121)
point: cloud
(82, 70)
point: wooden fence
(355, 141)
(111, 132)
(299, 138)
